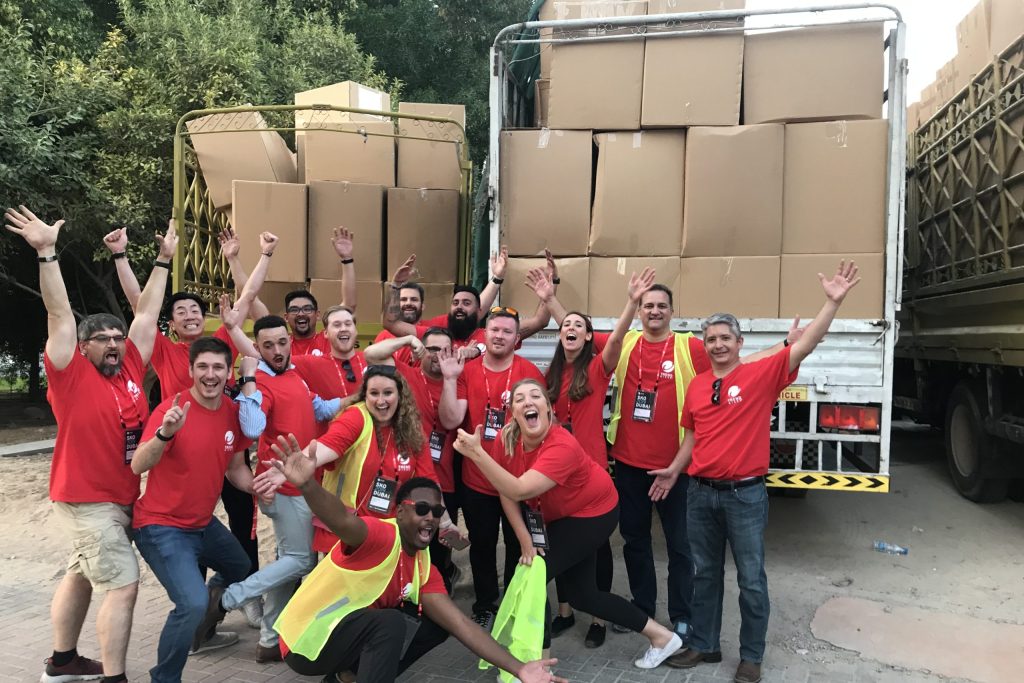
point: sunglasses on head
(386, 370)
(422, 507)
(350, 374)
(716, 391)
(505, 310)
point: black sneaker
(484, 619)
(560, 624)
(595, 636)
(78, 669)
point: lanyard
(401, 580)
(426, 388)
(383, 453)
(341, 378)
(657, 371)
(508, 383)
(120, 413)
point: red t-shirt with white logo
(483, 388)
(427, 393)
(582, 487)
(317, 345)
(327, 376)
(92, 412)
(653, 445)
(586, 415)
(171, 364)
(732, 438)
(184, 486)
(288, 405)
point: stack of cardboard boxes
(738, 165)
(398, 195)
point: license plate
(794, 394)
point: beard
(462, 328)
(111, 370)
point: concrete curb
(29, 448)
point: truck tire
(967, 448)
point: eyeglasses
(505, 310)
(422, 507)
(107, 338)
(350, 374)
(716, 391)
(293, 310)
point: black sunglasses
(385, 370)
(350, 374)
(422, 507)
(716, 391)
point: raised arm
(117, 242)
(451, 410)
(499, 264)
(150, 452)
(143, 330)
(795, 332)
(836, 289)
(229, 249)
(638, 284)
(391, 317)
(344, 246)
(231, 318)
(382, 353)
(538, 280)
(250, 290)
(61, 330)
(530, 485)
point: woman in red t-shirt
(571, 508)
(577, 382)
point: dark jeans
(635, 503)
(484, 517)
(174, 555)
(739, 517)
(369, 643)
(240, 508)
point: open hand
(228, 315)
(38, 234)
(116, 240)
(499, 262)
(537, 280)
(795, 332)
(174, 418)
(550, 265)
(297, 467)
(841, 283)
(537, 672)
(639, 284)
(451, 363)
(343, 241)
(229, 244)
(405, 271)
(664, 480)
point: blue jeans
(174, 556)
(738, 516)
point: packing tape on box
(837, 130)
(638, 139)
(543, 138)
(620, 266)
(727, 275)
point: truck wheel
(967, 447)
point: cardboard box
(236, 152)
(572, 292)
(734, 191)
(432, 163)
(345, 94)
(609, 277)
(972, 48)
(578, 9)
(357, 152)
(437, 298)
(272, 294)
(368, 298)
(638, 193)
(540, 102)
(746, 286)
(425, 223)
(1006, 23)
(814, 74)
(800, 292)
(545, 191)
(358, 207)
(833, 197)
(279, 208)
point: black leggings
(484, 519)
(605, 572)
(573, 543)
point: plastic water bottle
(891, 548)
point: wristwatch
(245, 379)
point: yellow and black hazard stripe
(875, 483)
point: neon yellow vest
(343, 480)
(683, 374)
(330, 593)
(519, 624)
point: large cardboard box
(833, 197)
(345, 94)
(638, 193)
(355, 206)
(272, 294)
(800, 292)
(545, 191)
(733, 191)
(425, 223)
(814, 74)
(229, 149)
(610, 276)
(368, 298)
(432, 163)
(437, 298)
(358, 152)
(972, 48)
(279, 208)
(578, 9)
(704, 96)
(746, 286)
(574, 274)
(1006, 23)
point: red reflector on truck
(849, 418)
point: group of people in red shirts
(368, 456)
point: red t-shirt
(587, 415)
(170, 362)
(582, 487)
(183, 488)
(427, 393)
(317, 345)
(92, 412)
(288, 405)
(732, 438)
(482, 388)
(653, 445)
(327, 378)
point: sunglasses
(716, 391)
(422, 507)
(505, 310)
(107, 338)
(350, 374)
(385, 370)
(294, 310)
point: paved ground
(964, 560)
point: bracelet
(120, 254)
(246, 379)
(160, 436)
(497, 280)
(162, 264)
(268, 255)
(556, 280)
(46, 259)
(785, 343)
(347, 261)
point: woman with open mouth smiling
(571, 508)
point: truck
(960, 353)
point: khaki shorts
(101, 547)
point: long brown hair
(406, 423)
(579, 385)
(511, 433)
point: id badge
(535, 525)
(436, 445)
(132, 437)
(643, 407)
(494, 420)
(382, 496)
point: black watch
(785, 343)
(160, 436)
(246, 379)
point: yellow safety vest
(331, 592)
(683, 371)
(343, 480)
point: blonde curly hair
(511, 432)
(406, 424)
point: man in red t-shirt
(725, 451)
(339, 373)
(191, 441)
(477, 393)
(94, 375)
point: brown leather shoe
(214, 615)
(747, 672)
(265, 655)
(689, 658)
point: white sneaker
(654, 656)
(254, 612)
(216, 641)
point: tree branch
(11, 281)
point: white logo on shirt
(229, 438)
(505, 397)
(734, 395)
(316, 352)
(667, 369)
(407, 591)
(133, 388)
